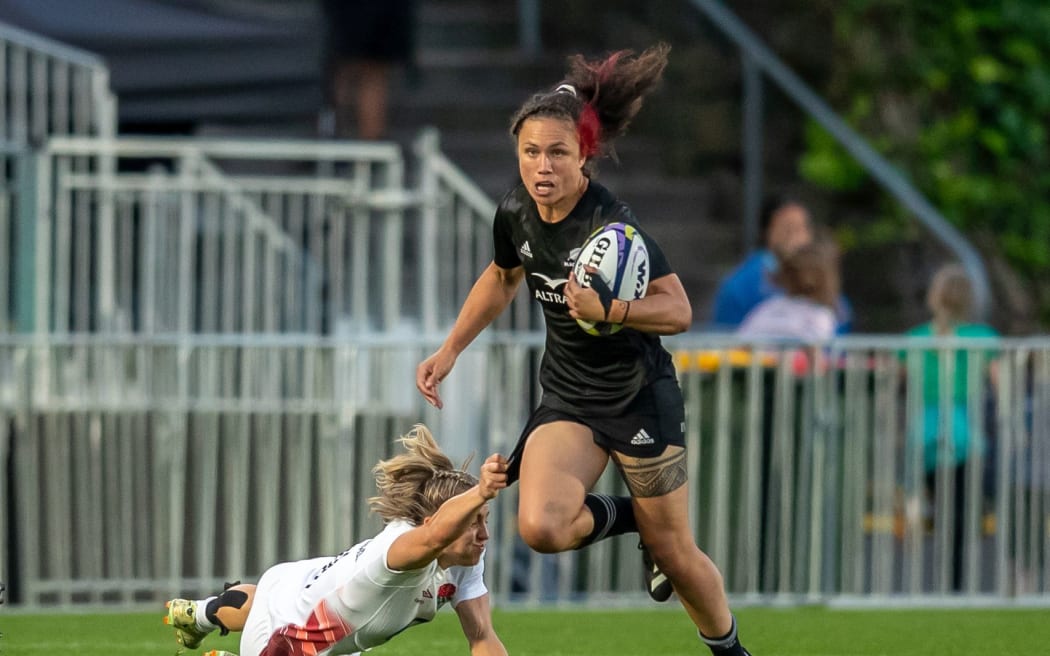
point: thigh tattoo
(653, 477)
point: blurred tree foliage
(957, 94)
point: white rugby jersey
(789, 317)
(350, 602)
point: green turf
(766, 632)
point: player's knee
(681, 559)
(544, 534)
(231, 608)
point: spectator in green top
(950, 302)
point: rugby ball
(618, 252)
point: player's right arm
(491, 294)
(420, 546)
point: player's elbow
(677, 320)
(681, 320)
(478, 634)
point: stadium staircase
(229, 68)
(245, 69)
(472, 78)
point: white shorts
(278, 602)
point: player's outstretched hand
(493, 476)
(431, 372)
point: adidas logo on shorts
(641, 438)
(525, 250)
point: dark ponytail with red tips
(599, 97)
(589, 130)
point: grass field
(767, 632)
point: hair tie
(566, 88)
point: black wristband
(605, 294)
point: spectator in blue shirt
(786, 225)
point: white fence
(155, 236)
(146, 467)
(207, 344)
(48, 88)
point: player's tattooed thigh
(653, 477)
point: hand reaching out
(493, 476)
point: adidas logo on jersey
(525, 250)
(640, 438)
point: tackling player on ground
(428, 554)
(604, 397)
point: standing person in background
(786, 225)
(613, 396)
(950, 302)
(429, 554)
(365, 40)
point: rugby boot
(182, 616)
(656, 582)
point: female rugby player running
(429, 554)
(614, 396)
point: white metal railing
(155, 235)
(187, 460)
(50, 88)
(46, 88)
(456, 227)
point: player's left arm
(475, 616)
(664, 310)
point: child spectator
(809, 277)
(950, 302)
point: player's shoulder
(610, 207)
(391, 532)
(514, 202)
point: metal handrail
(56, 49)
(757, 56)
(45, 78)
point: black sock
(234, 598)
(612, 516)
(727, 645)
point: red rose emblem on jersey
(445, 592)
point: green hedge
(957, 94)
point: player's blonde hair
(414, 484)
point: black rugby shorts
(651, 423)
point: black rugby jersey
(581, 374)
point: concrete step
(161, 71)
(276, 104)
(459, 24)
